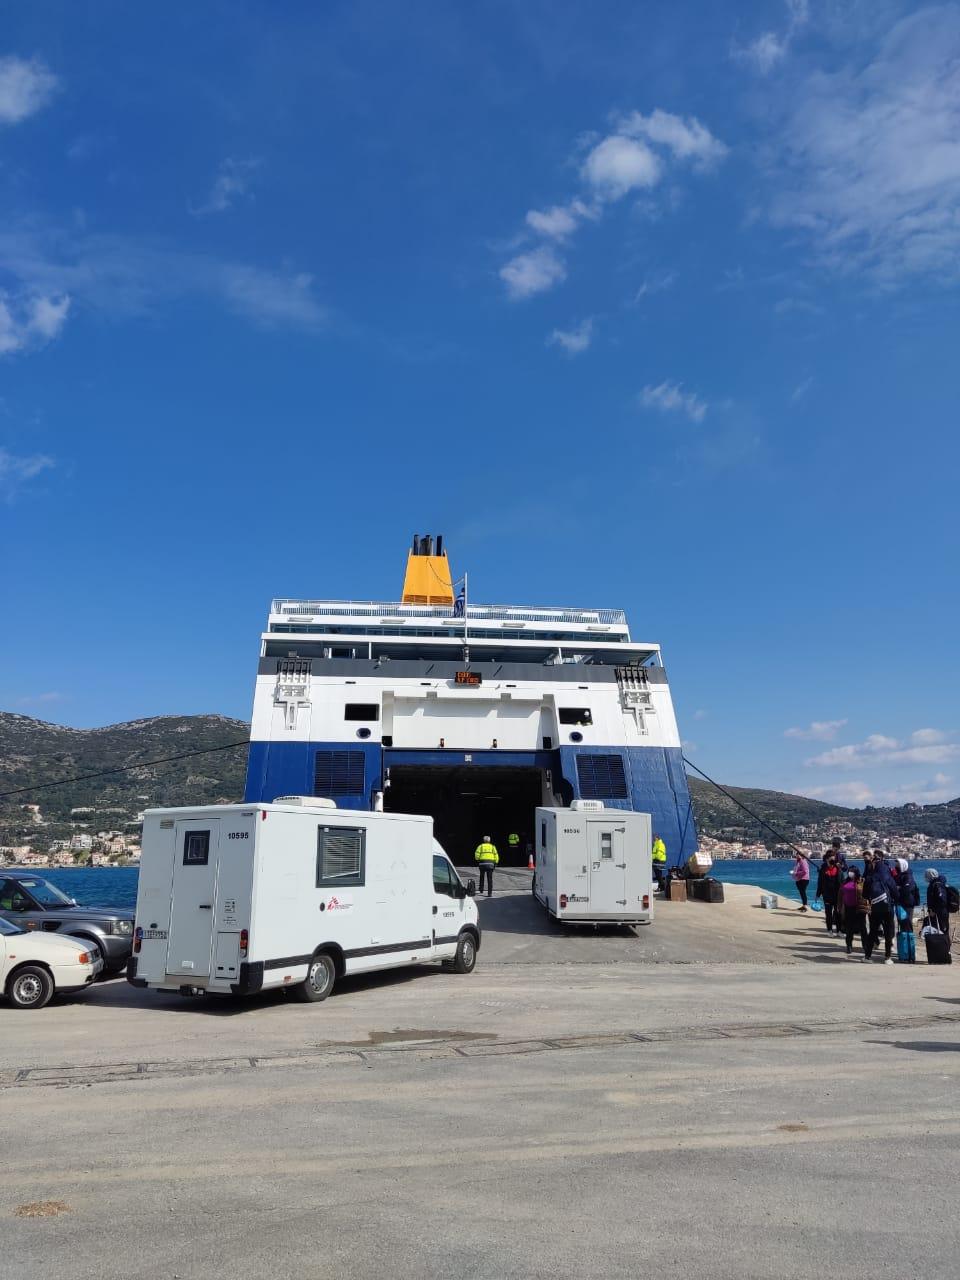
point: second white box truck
(594, 865)
(235, 899)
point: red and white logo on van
(341, 902)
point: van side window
(441, 876)
(341, 857)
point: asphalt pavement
(603, 1114)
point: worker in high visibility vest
(659, 860)
(486, 857)
(513, 840)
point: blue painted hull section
(656, 779)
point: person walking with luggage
(880, 890)
(908, 897)
(938, 908)
(800, 871)
(828, 888)
(486, 857)
(855, 911)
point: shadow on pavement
(120, 994)
(522, 913)
(920, 1046)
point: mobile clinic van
(594, 865)
(235, 899)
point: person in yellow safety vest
(486, 856)
(513, 840)
(659, 860)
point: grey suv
(29, 901)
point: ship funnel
(427, 580)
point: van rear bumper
(250, 980)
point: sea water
(117, 886)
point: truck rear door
(196, 865)
(606, 846)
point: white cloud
(17, 470)
(25, 88)
(670, 397)
(763, 53)
(533, 272)
(560, 221)
(871, 167)
(27, 322)
(573, 341)
(39, 699)
(768, 49)
(853, 794)
(928, 737)
(801, 389)
(700, 714)
(686, 138)
(655, 285)
(926, 746)
(634, 157)
(232, 181)
(123, 276)
(817, 731)
(857, 794)
(619, 164)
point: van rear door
(606, 844)
(195, 869)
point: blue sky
(640, 304)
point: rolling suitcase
(938, 947)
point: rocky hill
(33, 752)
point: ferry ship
(472, 713)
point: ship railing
(488, 612)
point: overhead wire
(125, 768)
(755, 816)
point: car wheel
(319, 980)
(30, 987)
(466, 957)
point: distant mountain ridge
(34, 751)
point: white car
(34, 965)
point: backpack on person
(953, 898)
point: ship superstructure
(473, 713)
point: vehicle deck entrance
(468, 802)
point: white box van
(594, 865)
(235, 899)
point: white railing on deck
(492, 612)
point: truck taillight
(137, 941)
(244, 942)
(563, 901)
(646, 902)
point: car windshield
(7, 929)
(47, 894)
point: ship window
(361, 711)
(340, 857)
(575, 715)
(338, 773)
(601, 777)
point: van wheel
(466, 957)
(319, 980)
(30, 987)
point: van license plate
(154, 934)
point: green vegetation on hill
(33, 752)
